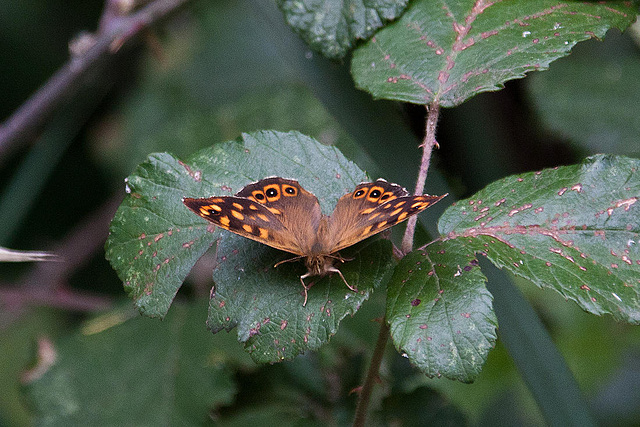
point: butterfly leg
(306, 288)
(335, 270)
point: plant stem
(433, 111)
(372, 375)
(114, 30)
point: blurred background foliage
(230, 67)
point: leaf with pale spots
(439, 311)
(265, 303)
(333, 26)
(448, 51)
(575, 229)
(155, 241)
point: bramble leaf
(574, 229)
(265, 303)
(448, 51)
(155, 241)
(439, 311)
(333, 26)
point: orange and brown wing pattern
(370, 209)
(244, 217)
(273, 211)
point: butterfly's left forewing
(370, 209)
(275, 211)
(245, 217)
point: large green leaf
(333, 26)
(155, 241)
(574, 229)
(440, 313)
(126, 370)
(449, 50)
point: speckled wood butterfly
(280, 213)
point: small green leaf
(155, 240)
(333, 26)
(440, 313)
(127, 370)
(447, 51)
(265, 303)
(574, 229)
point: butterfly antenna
(340, 258)
(288, 260)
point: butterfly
(280, 213)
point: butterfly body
(280, 213)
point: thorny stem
(433, 111)
(113, 31)
(372, 376)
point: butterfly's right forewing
(370, 209)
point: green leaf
(152, 243)
(265, 303)
(333, 26)
(596, 74)
(573, 229)
(447, 51)
(126, 370)
(440, 313)
(155, 240)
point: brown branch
(18, 299)
(114, 30)
(46, 283)
(372, 376)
